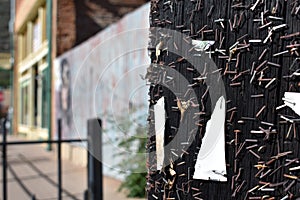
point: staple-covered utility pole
(252, 48)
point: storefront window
(25, 103)
(44, 100)
(37, 35)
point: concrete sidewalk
(36, 170)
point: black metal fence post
(5, 166)
(59, 161)
(95, 190)
(4, 161)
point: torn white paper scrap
(160, 120)
(211, 164)
(292, 100)
(200, 45)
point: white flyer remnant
(200, 45)
(160, 120)
(211, 164)
(292, 100)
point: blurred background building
(4, 55)
(44, 29)
(101, 78)
(49, 34)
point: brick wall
(66, 25)
(78, 20)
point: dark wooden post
(255, 45)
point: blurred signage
(1, 96)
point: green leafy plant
(135, 178)
(133, 140)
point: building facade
(43, 30)
(31, 107)
(4, 34)
(101, 78)
(5, 56)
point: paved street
(32, 168)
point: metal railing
(94, 165)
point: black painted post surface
(4, 161)
(256, 49)
(59, 162)
(95, 185)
